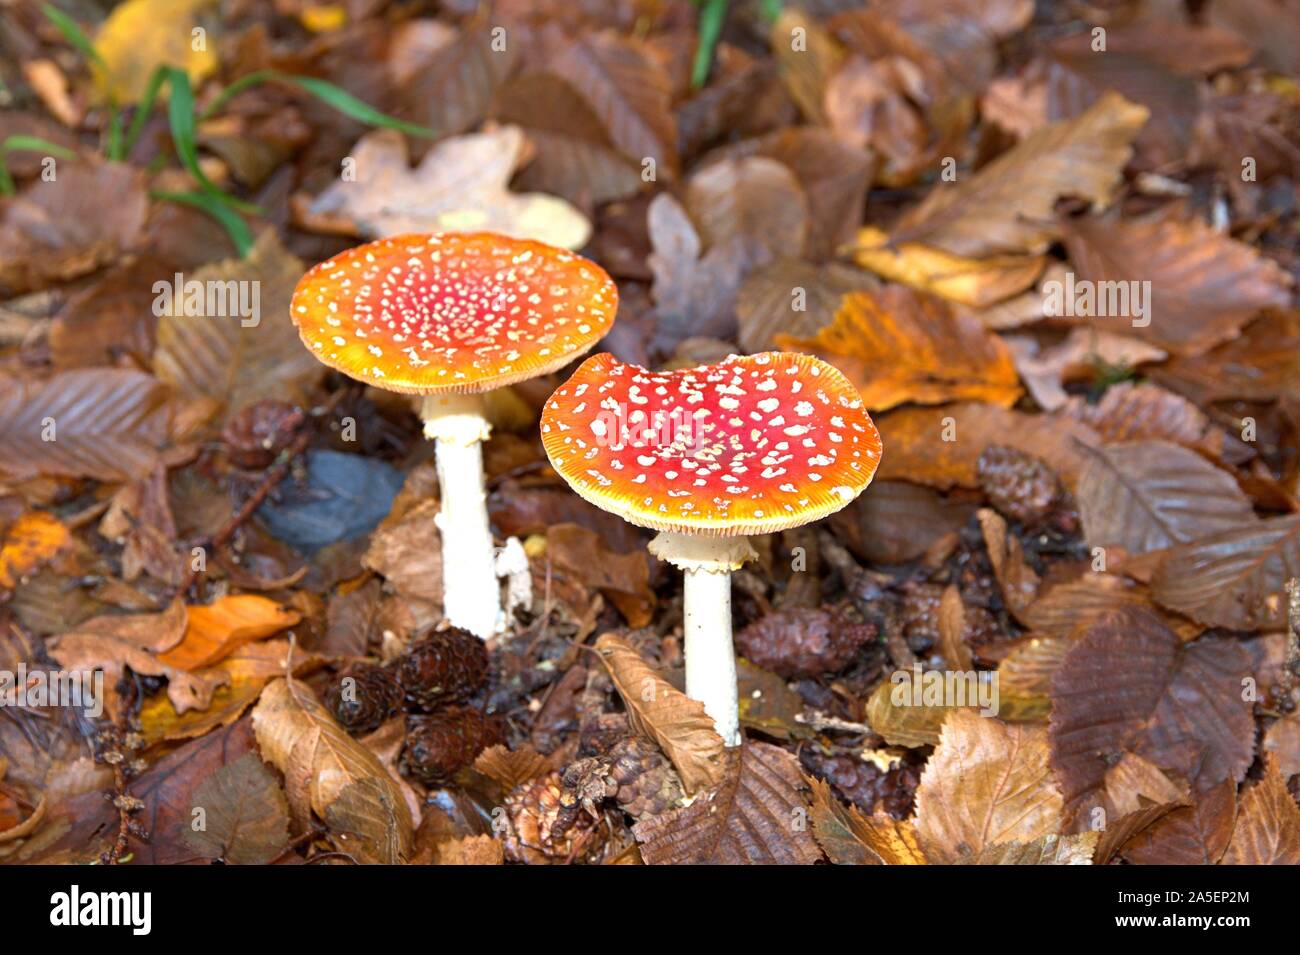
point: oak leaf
(461, 185)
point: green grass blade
(329, 94)
(143, 109)
(180, 115)
(219, 210)
(713, 14)
(73, 34)
(26, 144)
(347, 104)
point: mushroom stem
(471, 593)
(707, 563)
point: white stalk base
(710, 657)
(471, 593)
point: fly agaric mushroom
(708, 456)
(450, 317)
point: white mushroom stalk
(471, 593)
(707, 563)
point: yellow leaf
(141, 35)
(973, 282)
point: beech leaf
(658, 710)
(330, 773)
(755, 817)
(987, 783)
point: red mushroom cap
(751, 445)
(457, 312)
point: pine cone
(646, 783)
(634, 773)
(1019, 485)
(804, 641)
(445, 667)
(439, 745)
(363, 696)
(547, 825)
(919, 614)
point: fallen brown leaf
(756, 816)
(330, 773)
(657, 710)
(987, 783)
(1006, 207)
(1267, 831)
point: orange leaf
(32, 540)
(216, 630)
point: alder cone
(803, 641)
(1018, 485)
(634, 773)
(439, 745)
(548, 825)
(445, 667)
(361, 705)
